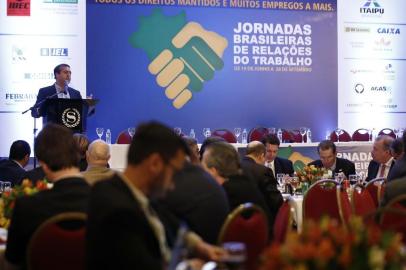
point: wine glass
(281, 184)
(272, 130)
(100, 132)
(237, 132)
(178, 130)
(338, 132)
(339, 177)
(302, 131)
(294, 182)
(131, 131)
(206, 132)
(7, 186)
(353, 178)
(236, 254)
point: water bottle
(279, 134)
(244, 136)
(108, 136)
(309, 135)
(192, 134)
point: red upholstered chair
(247, 224)
(283, 222)
(297, 137)
(361, 135)
(124, 137)
(287, 136)
(375, 187)
(361, 201)
(256, 134)
(344, 137)
(325, 198)
(225, 134)
(393, 216)
(387, 131)
(59, 243)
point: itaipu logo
(371, 7)
(183, 54)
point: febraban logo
(71, 117)
(375, 9)
(183, 54)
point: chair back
(297, 137)
(283, 222)
(225, 134)
(388, 132)
(58, 243)
(256, 134)
(393, 216)
(287, 136)
(344, 137)
(361, 201)
(123, 138)
(375, 189)
(326, 198)
(247, 224)
(361, 135)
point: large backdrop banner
(213, 63)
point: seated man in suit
(222, 161)
(57, 154)
(123, 230)
(275, 163)
(329, 160)
(12, 169)
(253, 166)
(382, 160)
(97, 156)
(59, 89)
(399, 169)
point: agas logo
(390, 31)
(371, 7)
(381, 89)
(359, 88)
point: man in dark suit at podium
(59, 89)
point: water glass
(206, 132)
(178, 131)
(294, 182)
(100, 132)
(353, 179)
(272, 130)
(131, 131)
(339, 177)
(328, 137)
(236, 254)
(303, 131)
(281, 183)
(237, 133)
(6, 186)
(338, 132)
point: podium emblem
(71, 117)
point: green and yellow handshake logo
(183, 54)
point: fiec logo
(18, 7)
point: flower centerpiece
(9, 197)
(328, 245)
(311, 174)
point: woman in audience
(83, 143)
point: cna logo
(17, 54)
(390, 31)
(183, 54)
(54, 52)
(359, 88)
(18, 7)
(372, 7)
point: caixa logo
(390, 31)
(371, 7)
(54, 52)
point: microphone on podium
(65, 87)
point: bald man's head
(98, 153)
(256, 150)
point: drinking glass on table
(281, 183)
(235, 257)
(303, 131)
(178, 131)
(237, 133)
(339, 177)
(272, 130)
(100, 132)
(353, 178)
(294, 182)
(131, 131)
(338, 132)
(206, 132)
